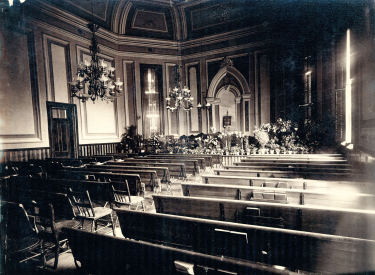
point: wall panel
(19, 109)
(172, 117)
(57, 64)
(98, 121)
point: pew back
(191, 165)
(175, 169)
(103, 254)
(161, 172)
(148, 177)
(328, 220)
(336, 198)
(279, 174)
(295, 250)
(281, 182)
(202, 161)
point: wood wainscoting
(85, 150)
(13, 155)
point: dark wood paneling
(25, 154)
(45, 152)
(87, 150)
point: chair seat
(101, 212)
(136, 199)
(66, 223)
(22, 244)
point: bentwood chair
(48, 229)
(123, 197)
(20, 242)
(84, 210)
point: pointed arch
(228, 70)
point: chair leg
(92, 225)
(43, 255)
(113, 226)
(57, 250)
(143, 205)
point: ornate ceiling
(192, 19)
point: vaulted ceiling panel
(153, 21)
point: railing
(87, 150)
(229, 160)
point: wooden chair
(19, 241)
(123, 197)
(84, 210)
(48, 229)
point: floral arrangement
(262, 137)
(281, 136)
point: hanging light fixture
(180, 96)
(97, 74)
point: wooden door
(62, 127)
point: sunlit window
(151, 101)
(348, 93)
(343, 88)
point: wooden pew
(175, 169)
(294, 250)
(203, 161)
(282, 166)
(148, 177)
(191, 165)
(356, 223)
(335, 198)
(281, 182)
(256, 173)
(296, 156)
(295, 160)
(67, 161)
(161, 172)
(135, 183)
(99, 191)
(306, 169)
(123, 155)
(291, 164)
(103, 158)
(279, 174)
(125, 256)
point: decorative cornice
(224, 50)
(120, 40)
(237, 34)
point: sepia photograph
(171, 137)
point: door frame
(72, 117)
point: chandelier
(97, 75)
(181, 96)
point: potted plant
(130, 140)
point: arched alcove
(233, 97)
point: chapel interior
(187, 136)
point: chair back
(15, 224)
(82, 204)
(121, 196)
(44, 217)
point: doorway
(62, 129)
